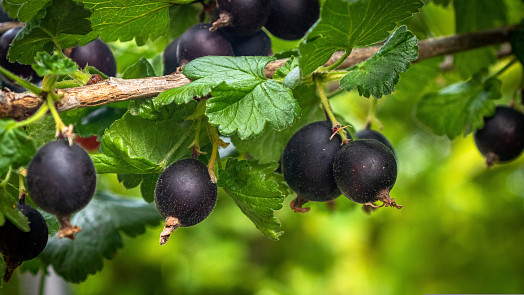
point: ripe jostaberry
(290, 19)
(502, 137)
(307, 164)
(170, 58)
(18, 246)
(369, 133)
(365, 171)
(96, 54)
(198, 41)
(61, 180)
(258, 44)
(184, 195)
(24, 71)
(242, 17)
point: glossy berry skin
(170, 58)
(373, 134)
(307, 162)
(198, 41)
(20, 245)
(290, 19)
(502, 137)
(363, 169)
(258, 44)
(61, 179)
(246, 16)
(24, 71)
(96, 54)
(185, 191)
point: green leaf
(103, 222)
(141, 69)
(133, 145)
(209, 71)
(345, 24)
(93, 120)
(8, 201)
(284, 70)
(474, 15)
(379, 74)
(124, 20)
(24, 10)
(256, 192)
(242, 101)
(181, 18)
(41, 131)
(459, 108)
(474, 61)
(16, 148)
(56, 64)
(246, 111)
(419, 79)
(64, 23)
(517, 43)
(268, 146)
(147, 184)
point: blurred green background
(461, 229)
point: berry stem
(507, 66)
(337, 127)
(175, 148)
(4, 182)
(171, 225)
(386, 200)
(297, 203)
(224, 20)
(215, 139)
(67, 230)
(22, 82)
(35, 117)
(61, 129)
(372, 115)
(339, 61)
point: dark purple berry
(242, 17)
(96, 54)
(258, 44)
(24, 71)
(198, 41)
(290, 19)
(307, 163)
(61, 180)
(373, 134)
(502, 137)
(170, 58)
(365, 171)
(184, 195)
(17, 245)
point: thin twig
(19, 106)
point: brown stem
(172, 223)
(11, 266)
(4, 27)
(19, 106)
(223, 21)
(67, 230)
(491, 159)
(387, 201)
(297, 203)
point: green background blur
(461, 229)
